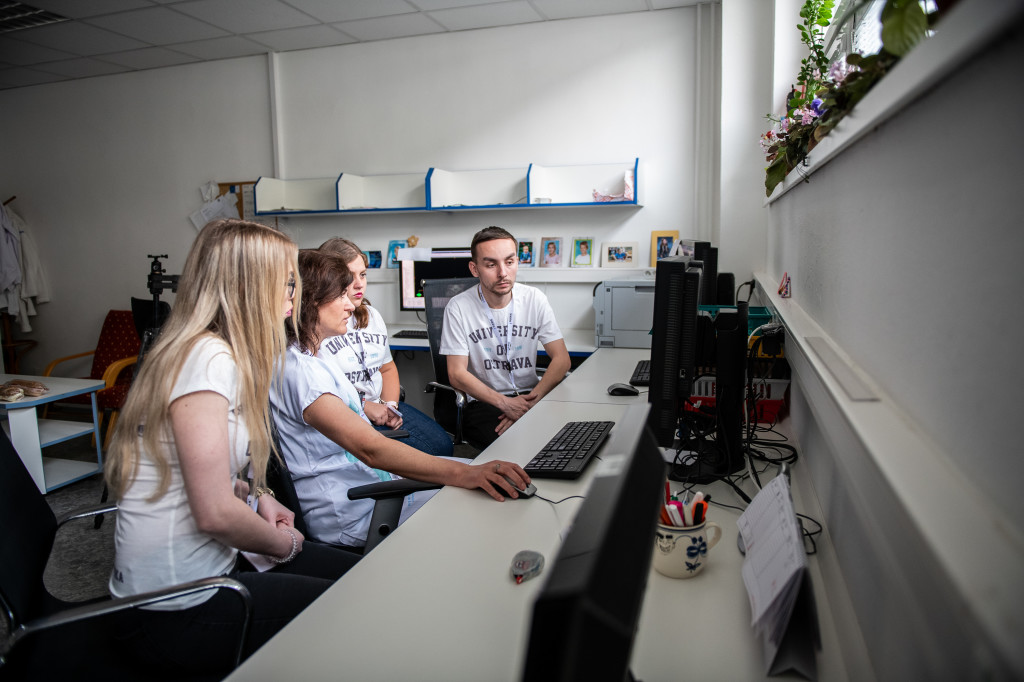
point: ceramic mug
(681, 552)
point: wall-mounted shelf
(534, 186)
(541, 275)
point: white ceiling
(112, 36)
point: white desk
(29, 434)
(435, 601)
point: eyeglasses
(291, 288)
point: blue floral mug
(682, 551)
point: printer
(623, 313)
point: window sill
(970, 27)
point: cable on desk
(571, 497)
(809, 535)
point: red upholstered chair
(113, 359)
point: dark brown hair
(489, 234)
(339, 246)
(324, 278)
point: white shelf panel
(578, 184)
(59, 472)
(53, 431)
(448, 190)
(317, 195)
(401, 192)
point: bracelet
(291, 554)
(260, 491)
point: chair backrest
(436, 294)
(279, 479)
(26, 538)
(118, 339)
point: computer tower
(731, 340)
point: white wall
(107, 169)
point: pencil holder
(682, 551)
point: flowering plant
(824, 94)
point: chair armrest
(86, 512)
(50, 367)
(460, 396)
(388, 489)
(114, 369)
(103, 608)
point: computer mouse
(623, 389)
(523, 493)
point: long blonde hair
(339, 246)
(232, 287)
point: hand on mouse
(492, 477)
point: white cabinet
(533, 186)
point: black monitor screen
(674, 335)
(585, 617)
(443, 264)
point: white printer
(624, 313)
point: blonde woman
(364, 356)
(327, 439)
(194, 428)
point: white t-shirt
(468, 331)
(322, 470)
(157, 543)
(360, 354)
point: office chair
(117, 350)
(448, 401)
(48, 638)
(388, 496)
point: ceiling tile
(398, 26)
(78, 39)
(25, 54)
(565, 9)
(158, 26)
(81, 68)
(77, 9)
(331, 11)
(485, 16)
(19, 77)
(301, 38)
(666, 4)
(246, 16)
(221, 48)
(428, 5)
(148, 58)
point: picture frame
(662, 242)
(527, 258)
(583, 255)
(620, 254)
(374, 258)
(393, 246)
(551, 252)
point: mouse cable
(571, 497)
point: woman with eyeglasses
(364, 356)
(188, 461)
(327, 439)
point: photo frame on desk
(619, 254)
(662, 242)
(550, 252)
(582, 252)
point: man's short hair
(489, 234)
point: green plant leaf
(904, 25)
(774, 174)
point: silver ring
(497, 466)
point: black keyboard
(641, 374)
(410, 334)
(567, 454)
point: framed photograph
(526, 253)
(393, 246)
(374, 258)
(661, 244)
(551, 252)
(619, 254)
(583, 252)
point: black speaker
(726, 288)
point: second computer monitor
(443, 264)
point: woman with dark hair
(364, 356)
(329, 443)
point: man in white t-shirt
(491, 335)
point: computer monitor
(708, 255)
(585, 617)
(443, 264)
(677, 293)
